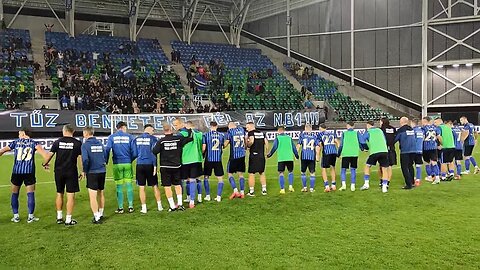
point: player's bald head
(232, 124)
(404, 121)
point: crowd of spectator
(111, 90)
(299, 71)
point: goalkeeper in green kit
(350, 146)
(287, 151)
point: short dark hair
(27, 132)
(281, 128)
(213, 124)
(428, 118)
(385, 121)
(121, 124)
(250, 123)
(415, 121)
(449, 122)
(147, 126)
(323, 126)
(371, 123)
(351, 123)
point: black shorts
(27, 179)
(192, 170)
(68, 180)
(285, 164)
(458, 154)
(448, 155)
(418, 159)
(171, 176)
(310, 164)
(430, 155)
(440, 156)
(215, 167)
(381, 158)
(468, 150)
(392, 157)
(96, 181)
(256, 164)
(236, 165)
(145, 175)
(349, 162)
(329, 161)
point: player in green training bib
(349, 150)
(374, 141)
(286, 152)
(447, 148)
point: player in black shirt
(170, 149)
(68, 150)
(258, 147)
(390, 134)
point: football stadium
(239, 134)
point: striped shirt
(236, 136)
(214, 141)
(24, 153)
(457, 136)
(430, 133)
(470, 140)
(308, 141)
(327, 139)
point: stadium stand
(16, 67)
(346, 108)
(111, 74)
(244, 78)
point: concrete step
(177, 67)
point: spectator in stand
(64, 102)
(49, 27)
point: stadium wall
(382, 48)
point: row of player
(182, 154)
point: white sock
(68, 218)
(344, 184)
(100, 211)
(252, 189)
(367, 182)
(16, 215)
(144, 207)
(290, 186)
(264, 187)
(171, 202)
(179, 199)
(31, 216)
(235, 190)
(59, 214)
(242, 192)
(97, 216)
(159, 205)
(199, 197)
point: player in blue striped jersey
(23, 172)
(146, 171)
(328, 144)
(237, 138)
(419, 138)
(469, 144)
(457, 137)
(308, 142)
(213, 143)
(430, 151)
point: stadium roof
(212, 10)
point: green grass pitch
(429, 227)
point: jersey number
(239, 141)
(308, 144)
(216, 144)
(430, 136)
(25, 154)
(328, 139)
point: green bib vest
(284, 150)
(447, 137)
(192, 151)
(377, 142)
(351, 145)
